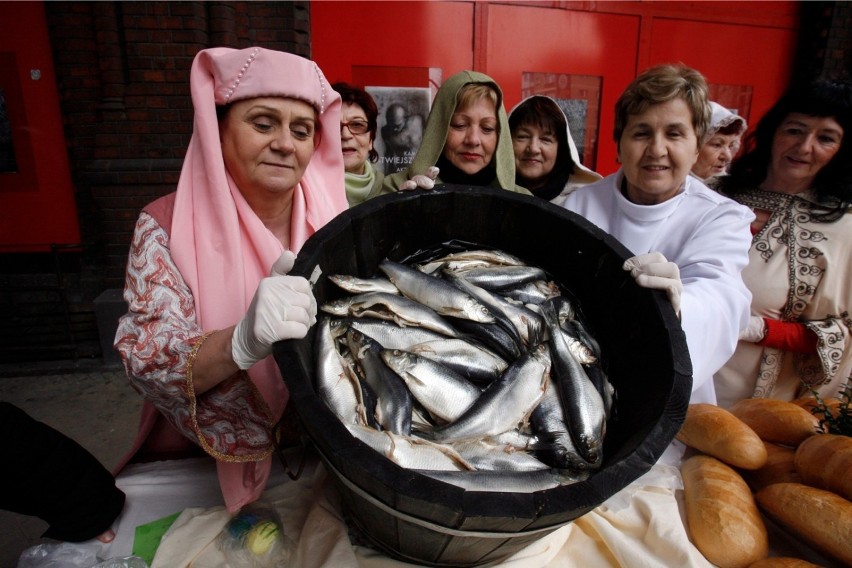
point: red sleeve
(789, 336)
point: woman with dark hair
(546, 158)
(797, 177)
(358, 125)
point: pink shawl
(220, 246)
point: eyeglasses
(355, 126)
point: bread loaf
(783, 562)
(821, 518)
(825, 461)
(779, 468)
(721, 515)
(809, 402)
(716, 432)
(777, 421)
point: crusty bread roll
(783, 562)
(718, 433)
(722, 518)
(779, 468)
(809, 402)
(821, 518)
(777, 421)
(825, 461)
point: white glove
(652, 270)
(283, 307)
(421, 181)
(755, 330)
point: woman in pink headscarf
(206, 278)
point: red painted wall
(741, 46)
(569, 42)
(394, 34)
(730, 54)
(37, 205)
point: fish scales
(405, 312)
(582, 403)
(504, 403)
(443, 392)
(394, 399)
(338, 384)
(504, 441)
(439, 295)
(466, 358)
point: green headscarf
(438, 124)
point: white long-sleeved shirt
(708, 237)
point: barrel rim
(619, 473)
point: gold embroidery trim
(202, 441)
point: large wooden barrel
(419, 519)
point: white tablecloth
(639, 526)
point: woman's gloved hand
(755, 331)
(283, 307)
(652, 270)
(421, 181)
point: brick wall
(122, 71)
(825, 40)
(123, 77)
(838, 49)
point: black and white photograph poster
(402, 117)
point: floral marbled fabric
(155, 339)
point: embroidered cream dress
(799, 270)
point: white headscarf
(722, 117)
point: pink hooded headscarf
(220, 246)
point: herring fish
(388, 334)
(412, 453)
(507, 482)
(502, 277)
(399, 309)
(356, 285)
(528, 323)
(338, 384)
(439, 295)
(466, 259)
(534, 292)
(487, 455)
(394, 403)
(443, 392)
(490, 302)
(470, 360)
(581, 401)
(554, 440)
(504, 403)
(493, 336)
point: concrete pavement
(90, 403)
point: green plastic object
(148, 536)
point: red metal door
(37, 205)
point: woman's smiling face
(356, 147)
(801, 147)
(472, 136)
(657, 150)
(535, 154)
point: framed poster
(579, 97)
(402, 117)
(736, 98)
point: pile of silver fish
(471, 367)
